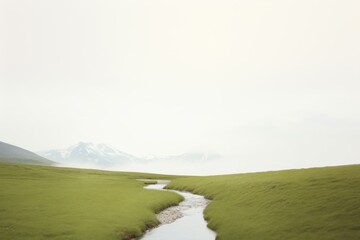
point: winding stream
(183, 222)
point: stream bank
(182, 222)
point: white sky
(271, 83)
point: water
(191, 226)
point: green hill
(13, 154)
(309, 204)
(39, 203)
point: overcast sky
(271, 84)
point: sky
(267, 84)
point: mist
(268, 85)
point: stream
(182, 222)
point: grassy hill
(13, 154)
(310, 204)
(39, 202)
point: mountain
(13, 154)
(187, 157)
(102, 156)
(89, 155)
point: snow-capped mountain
(102, 156)
(89, 155)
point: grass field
(61, 203)
(310, 204)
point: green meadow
(61, 203)
(309, 204)
(38, 202)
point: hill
(308, 204)
(38, 202)
(13, 154)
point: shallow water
(191, 226)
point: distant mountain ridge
(13, 154)
(91, 154)
(103, 156)
(189, 156)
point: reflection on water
(191, 226)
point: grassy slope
(17, 160)
(58, 203)
(14, 154)
(319, 203)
